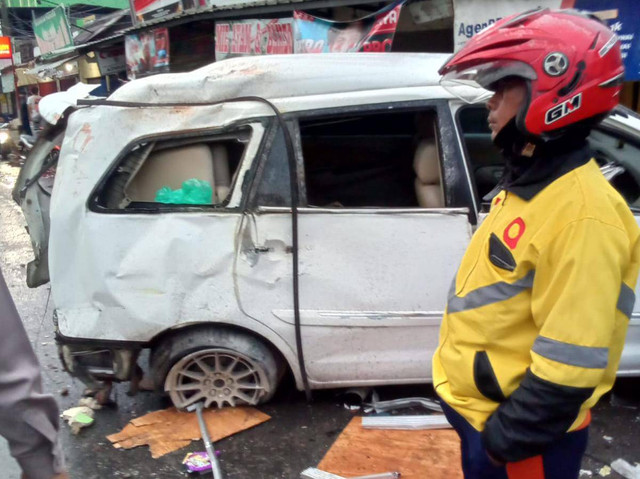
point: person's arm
(28, 417)
(575, 294)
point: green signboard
(118, 4)
(52, 30)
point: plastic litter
(585, 472)
(198, 462)
(78, 417)
(604, 471)
(625, 469)
(193, 192)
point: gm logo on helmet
(563, 109)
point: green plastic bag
(193, 192)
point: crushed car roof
(286, 76)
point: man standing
(538, 312)
(34, 110)
(28, 417)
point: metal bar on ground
(436, 421)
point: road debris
(313, 473)
(435, 421)
(90, 403)
(168, 430)
(78, 417)
(416, 454)
(585, 472)
(198, 462)
(609, 439)
(384, 406)
(604, 471)
(625, 469)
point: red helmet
(570, 61)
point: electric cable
(293, 180)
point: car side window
(167, 173)
(486, 163)
(375, 160)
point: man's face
(509, 96)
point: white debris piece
(585, 472)
(435, 421)
(609, 439)
(625, 469)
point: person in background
(28, 417)
(34, 111)
(538, 312)
(24, 115)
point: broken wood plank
(415, 454)
(169, 430)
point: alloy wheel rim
(219, 377)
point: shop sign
(622, 18)
(5, 48)
(373, 33)
(147, 53)
(254, 37)
(52, 30)
(111, 61)
(145, 10)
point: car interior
(388, 160)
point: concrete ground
(297, 436)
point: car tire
(220, 366)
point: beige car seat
(171, 167)
(428, 183)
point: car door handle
(265, 249)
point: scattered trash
(168, 430)
(64, 392)
(436, 421)
(625, 469)
(354, 398)
(193, 192)
(604, 471)
(383, 406)
(78, 417)
(585, 472)
(90, 402)
(198, 462)
(609, 439)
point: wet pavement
(298, 434)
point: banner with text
(254, 37)
(145, 10)
(373, 33)
(147, 53)
(622, 18)
(52, 30)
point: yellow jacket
(538, 312)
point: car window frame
(455, 178)
(227, 130)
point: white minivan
(342, 192)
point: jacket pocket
(499, 255)
(485, 378)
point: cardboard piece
(416, 454)
(169, 430)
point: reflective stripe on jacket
(538, 312)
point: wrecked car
(343, 190)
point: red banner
(254, 37)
